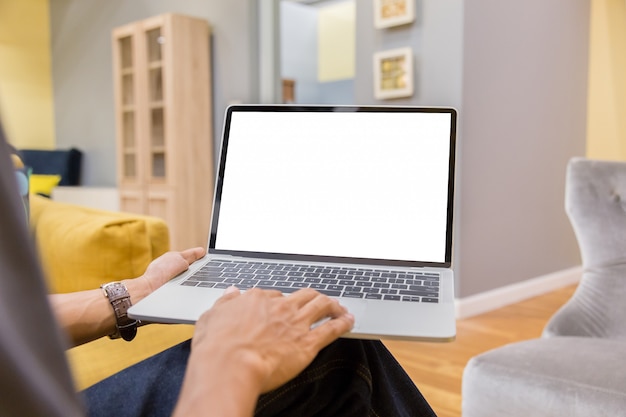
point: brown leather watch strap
(119, 298)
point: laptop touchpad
(357, 308)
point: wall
(82, 68)
(516, 71)
(25, 82)
(523, 117)
(606, 128)
(336, 42)
(436, 38)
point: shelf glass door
(157, 144)
(127, 96)
(126, 52)
(126, 71)
(155, 41)
(129, 145)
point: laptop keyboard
(374, 284)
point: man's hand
(87, 315)
(161, 270)
(270, 333)
(251, 343)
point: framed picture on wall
(393, 73)
(389, 13)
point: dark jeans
(348, 378)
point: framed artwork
(393, 73)
(389, 13)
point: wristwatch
(119, 298)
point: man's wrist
(250, 367)
(138, 289)
(234, 393)
(119, 298)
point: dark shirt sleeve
(35, 379)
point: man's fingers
(314, 306)
(302, 297)
(233, 292)
(327, 332)
(231, 289)
(229, 294)
(193, 254)
(319, 307)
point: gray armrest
(595, 201)
(564, 376)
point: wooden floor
(437, 369)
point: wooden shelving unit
(162, 78)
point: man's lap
(348, 378)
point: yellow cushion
(43, 184)
(81, 248)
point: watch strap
(126, 328)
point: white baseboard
(510, 294)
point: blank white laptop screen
(370, 185)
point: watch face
(114, 290)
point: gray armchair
(578, 366)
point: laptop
(353, 201)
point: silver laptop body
(354, 201)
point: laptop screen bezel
(334, 259)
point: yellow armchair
(81, 248)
